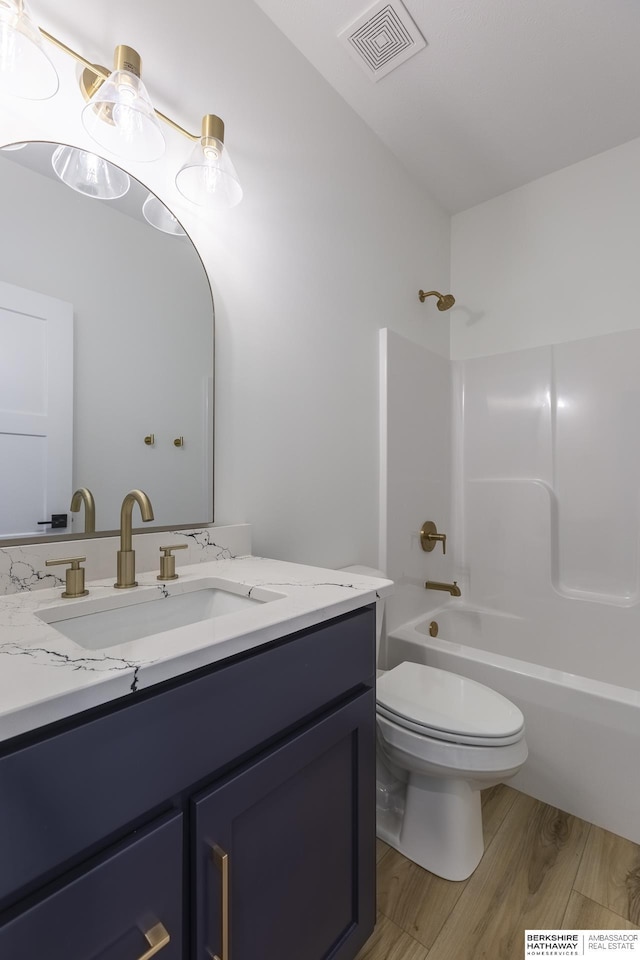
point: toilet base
(439, 826)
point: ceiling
(504, 92)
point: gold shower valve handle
(429, 536)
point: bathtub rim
(559, 678)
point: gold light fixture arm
(103, 74)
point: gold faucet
(83, 493)
(451, 588)
(126, 555)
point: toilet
(441, 739)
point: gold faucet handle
(168, 561)
(74, 578)
(429, 536)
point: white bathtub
(583, 730)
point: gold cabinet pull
(222, 859)
(157, 938)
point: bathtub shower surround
(552, 460)
(546, 515)
(415, 471)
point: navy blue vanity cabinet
(283, 860)
(228, 812)
(118, 908)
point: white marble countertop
(45, 676)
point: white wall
(552, 261)
(551, 458)
(331, 243)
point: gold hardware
(429, 536)
(150, 439)
(212, 128)
(157, 938)
(433, 628)
(126, 555)
(80, 495)
(96, 75)
(168, 562)
(222, 860)
(178, 442)
(451, 588)
(74, 578)
(445, 300)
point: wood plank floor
(542, 869)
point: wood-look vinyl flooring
(542, 869)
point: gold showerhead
(445, 301)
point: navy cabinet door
(284, 855)
(121, 908)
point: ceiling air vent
(382, 38)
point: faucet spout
(451, 588)
(83, 494)
(126, 554)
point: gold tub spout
(126, 555)
(451, 588)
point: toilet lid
(446, 706)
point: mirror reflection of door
(36, 409)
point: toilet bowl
(441, 739)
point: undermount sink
(146, 614)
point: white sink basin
(145, 614)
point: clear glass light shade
(208, 178)
(88, 174)
(25, 69)
(121, 119)
(160, 217)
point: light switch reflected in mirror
(122, 312)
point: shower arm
(445, 300)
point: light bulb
(89, 174)
(25, 69)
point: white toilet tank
(371, 572)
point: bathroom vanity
(217, 800)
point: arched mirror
(106, 357)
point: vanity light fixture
(119, 114)
(160, 217)
(208, 178)
(89, 174)
(25, 69)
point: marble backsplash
(23, 567)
